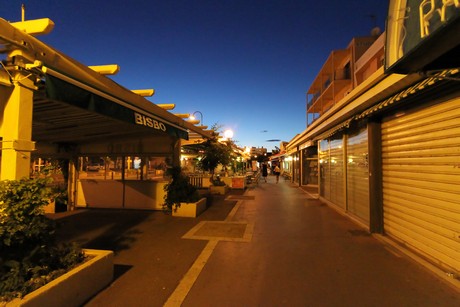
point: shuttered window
(358, 174)
(325, 170)
(332, 170)
(421, 181)
(337, 171)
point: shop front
(130, 182)
(114, 144)
(332, 181)
(310, 165)
(421, 180)
(344, 171)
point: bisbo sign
(143, 120)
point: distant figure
(264, 171)
(277, 173)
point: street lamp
(201, 117)
(228, 134)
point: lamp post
(201, 117)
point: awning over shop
(94, 101)
(277, 156)
(333, 130)
(411, 93)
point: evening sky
(244, 64)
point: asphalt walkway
(273, 245)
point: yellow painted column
(72, 182)
(17, 129)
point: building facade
(384, 149)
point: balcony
(341, 73)
(331, 84)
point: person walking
(264, 171)
(277, 172)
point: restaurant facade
(112, 144)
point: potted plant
(30, 256)
(218, 186)
(181, 197)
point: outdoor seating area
(203, 181)
(287, 176)
(252, 177)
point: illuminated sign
(422, 35)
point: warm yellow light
(228, 134)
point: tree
(215, 153)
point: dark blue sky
(245, 64)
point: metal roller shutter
(331, 170)
(336, 167)
(325, 169)
(421, 181)
(358, 174)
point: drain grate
(221, 230)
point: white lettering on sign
(148, 121)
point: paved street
(274, 245)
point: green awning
(60, 90)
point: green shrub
(179, 189)
(29, 254)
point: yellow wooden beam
(182, 115)
(145, 92)
(110, 69)
(167, 106)
(5, 78)
(35, 26)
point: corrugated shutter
(358, 174)
(336, 167)
(325, 169)
(331, 170)
(421, 181)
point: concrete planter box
(218, 189)
(50, 207)
(74, 287)
(190, 209)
